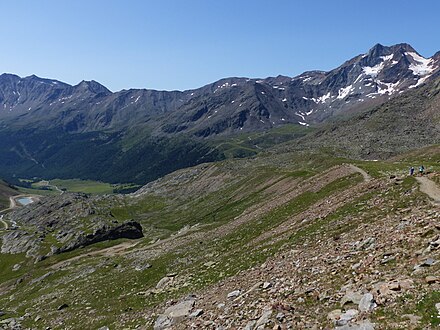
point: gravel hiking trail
(366, 176)
(106, 252)
(5, 224)
(430, 188)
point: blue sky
(184, 44)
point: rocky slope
(407, 122)
(284, 241)
(62, 223)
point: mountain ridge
(308, 98)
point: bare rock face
(19, 241)
(367, 303)
(362, 325)
(130, 229)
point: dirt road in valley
(12, 203)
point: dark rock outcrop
(129, 229)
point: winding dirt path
(12, 205)
(5, 224)
(106, 252)
(430, 188)
(12, 202)
(366, 176)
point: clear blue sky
(184, 44)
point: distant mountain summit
(92, 87)
(364, 80)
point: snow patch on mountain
(423, 65)
(343, 92)
(420, 81)
(387, 58)
(322, 99)
(387, 88)
(300, 115)
(225, 85)
(359, 78)
(373, 70)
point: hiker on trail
(411, 171)
(421, 169)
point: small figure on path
(411, 171)
(421, 169)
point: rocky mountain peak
(378, 50)
(402, 47)
(35, 80)
(32, 77)
(93, 87)
(4, 77)
(381, 50)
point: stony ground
(241, 247)
(359, 278)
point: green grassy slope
(6, 191)
(114, 157)
(217, 223)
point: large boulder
(174, 314)
(130, 229)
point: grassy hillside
(293, 232)
(107, 157)
(250, 144)
(134, 156)
(6, 191)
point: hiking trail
(366, 176)
(430, 188)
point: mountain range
(48, 128)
